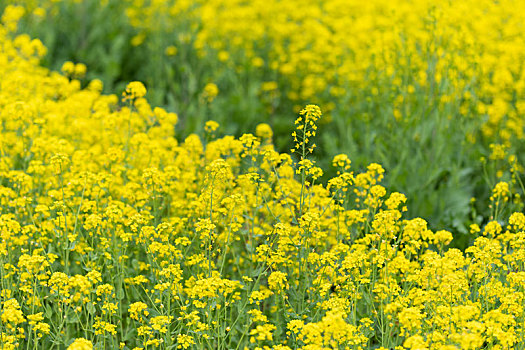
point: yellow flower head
(277, 281)
(134, 90)
(210, 92)
(81, 344)
(264, 131)
(210, 126)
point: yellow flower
(264, 131)
(210, 126)
(185, 341)
(81, 344)
(210, 92)
(277, 281)
(171, 51)
(134, 90)
(137, 309)
(443, 237)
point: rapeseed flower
(117, 230)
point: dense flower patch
(460, 53)
(424, 88)
(115, 234)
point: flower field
(215, 204)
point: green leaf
(49, 311)
(120, 294)
(90, 308)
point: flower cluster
(116, 234)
